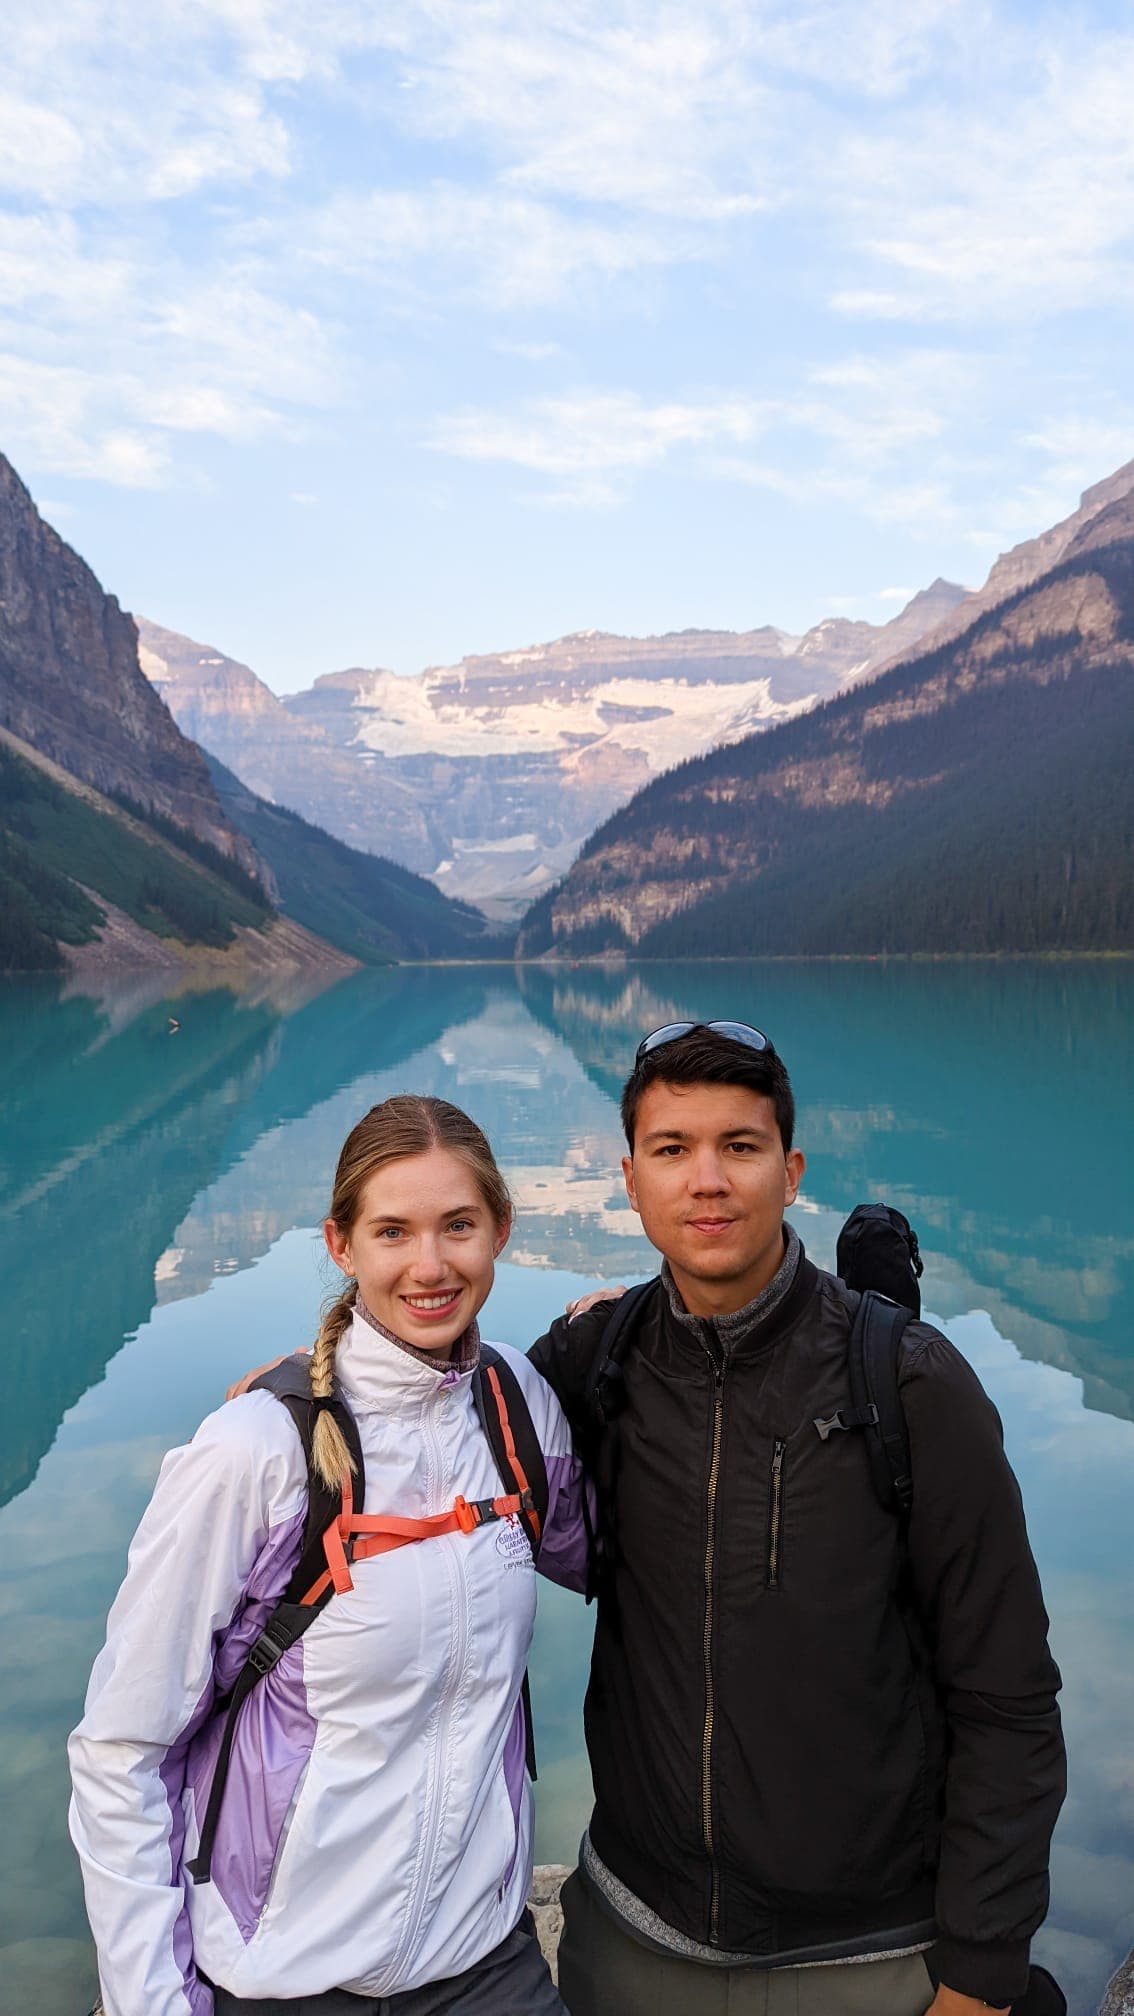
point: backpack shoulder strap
(603, 1394)
(505, 1416)
(290, 1382)
(872, 1361)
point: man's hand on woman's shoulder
(248, 1379)
(591, 1301)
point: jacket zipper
(776, 1517)
(450, 1694)
(707, 1739)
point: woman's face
(422, 1248)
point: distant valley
(489, 775)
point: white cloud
(191, 247)
(595, 441)
(503, 249)
(845, 431)
(652, 108)
(1014, 203)
(1081, 448)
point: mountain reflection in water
(160, 1191)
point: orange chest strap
(354, 1536)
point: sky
(378, 332)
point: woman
(374, 1837)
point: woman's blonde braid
(329, 1453)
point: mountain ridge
(973, 798)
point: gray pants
(603, 1971)
(510, 1981)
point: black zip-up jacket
(809, 1729)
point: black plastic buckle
(848, 1418)
(265, 1653)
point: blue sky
(380, 331)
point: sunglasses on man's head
(737, 1032)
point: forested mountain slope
(365, 905)
(975, 799)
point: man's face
(710, 1181)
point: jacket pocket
(774, 1566)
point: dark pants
(512, 1980)
(603, 1971)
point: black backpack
(507, 1423)
(878, 1256)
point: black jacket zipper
(776, 1517)
(710, 1693)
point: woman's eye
(390, 1232)
(461, 1225)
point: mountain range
(973, 798)
(489, 775)
(952, 780)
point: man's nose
(708, 1176)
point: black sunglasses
(737, 1032)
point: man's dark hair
(705, 1058)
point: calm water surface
(159, 1192)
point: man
(818, 1734)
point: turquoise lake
(160, 1193)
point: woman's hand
(249, 1379)
(591, 1301)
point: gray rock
(1119, 1997)
(543, 1902)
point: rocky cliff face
(489, 775)
(1025, 563)
(71, 685)
(974, 798)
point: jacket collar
(378, 1373)
(696, 1338)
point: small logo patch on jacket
(512, 1544)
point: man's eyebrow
(726, 1134)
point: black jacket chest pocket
(777, 1484)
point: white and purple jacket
(376, 1829)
